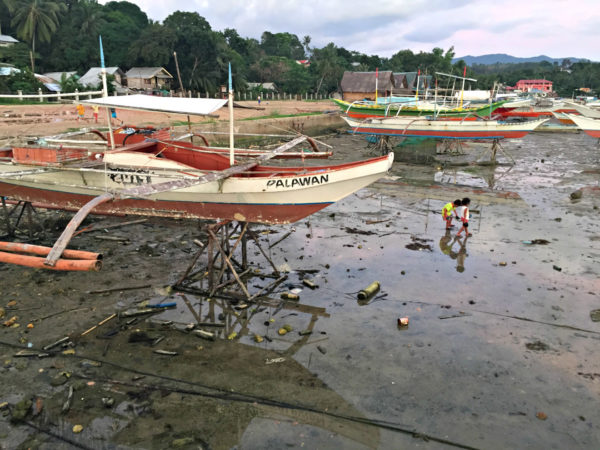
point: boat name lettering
(137, 177)
(305, 181)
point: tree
(35, 19)
(154, 47)
(201, 52)
(328, 66)
(282, 44)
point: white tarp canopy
(177, 105)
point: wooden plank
(62, 242)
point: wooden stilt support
(225, 240)
(9, 229)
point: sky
(523, 28)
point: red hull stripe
(593, 133)
(259, 213)
(441, 134)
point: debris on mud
(418, 244)
(537, 346)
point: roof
(148, 72)
(57, 76)
(534, 81)
(267, 86)
(50, 84)
(177, 105)
(92, 76)
(365, 81)
(6, 39)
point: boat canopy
(177, 105)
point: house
(48, 82)
(57, 76)
(271, 87)
(534, 85)
(361, 85)
(143, 78)
(8, 69)
(7, 41)
(93, 77)
(303, 62)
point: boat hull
(442, 129)
(262, 196)
(588, 125)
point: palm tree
(35, 19)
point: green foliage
(282, 44)
(154, 47)
(69, 84)
(17, 55)
(22, 81)
(65, 35)
(35, 20)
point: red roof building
(534, 85)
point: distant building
(303, 62)
(7, 41)
(93, 77)
(271, 87)
(534, 86)
(147, 78)
(361, 85)
(57, 76)
(8, 69)
(48, 82)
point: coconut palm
(35, 20)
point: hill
(503, 58)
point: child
(447, 211)
(80, 112)
(463, 212)
(95, 109)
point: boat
(159, 177)
(589, 125)
(584, 110)
(364, 109)
(535, 111)
(131, 134)
(441, 129)
(170, 178)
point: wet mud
(501, 349)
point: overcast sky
(556, 28)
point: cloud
(520, 27)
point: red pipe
(83, 265)
(17, 247)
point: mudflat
(501, 349)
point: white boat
(176, 179)
(441, 129)
(589, 125)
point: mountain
(504, 58)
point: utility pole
(178, 73)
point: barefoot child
(448, 210)
(463, 212)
